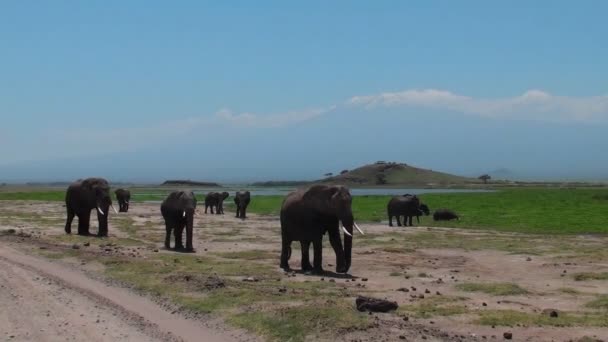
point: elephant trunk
(348, 223)
(189, 228)
(102, 217)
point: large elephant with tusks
(81, 197)
(178, 211)
(307, 214)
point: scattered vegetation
(435, 306)
(601, 302)
(495, 289)
(565, 319)
(591, 276)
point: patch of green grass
(591, 276)
(254, 254)
(398, 242)
(565, 319)
(398, 250)
(300, 323)
(231, 232)
(47, 195)
(526, 210)
(588, 339)
(530, 210)
(495, 289)
(569, 290)
(78, 239)
(601, 302)
(435, 306)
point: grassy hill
(389, 173)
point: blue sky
(146, 90)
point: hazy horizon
(144, 91)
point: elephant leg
(390, 220)
(206, 206)
(167, 235)
(179, 229)
(68, 222)
(285, 254)
(237, 211)
(336, 244)
(189, 246)
(317, 245)
(83, 223)
(399, 221)
(306, 266)
(211, 207)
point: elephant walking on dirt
(406, 205)
(216, 199)
(307, 214)
(242, 199)
(178, 211)
(83, 196)
(123, 197)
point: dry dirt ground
(451, 285)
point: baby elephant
(444, 215)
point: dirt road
(45, 301)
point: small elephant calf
(444, 215)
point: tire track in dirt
(44, 301)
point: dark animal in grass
(307, 214)
(81, 197)
(242, 199)
(445, 215)
(215, 200)
(124, 198)
(178, 211)
(407, 205)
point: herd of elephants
(306, 215)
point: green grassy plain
(538, 211)
(529, 210)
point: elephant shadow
(325, 274)
(180, 250)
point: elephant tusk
(114, 209)
(184, 214)
(359, 229)
(101, 212)
(346, 231)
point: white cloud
(532, 105)
(273, 120)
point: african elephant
(81, 197)
(406, 205)
(123, 197)
(216, 199)
(444, 215)
(307, 214)
(178, 211)
(242, 199)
